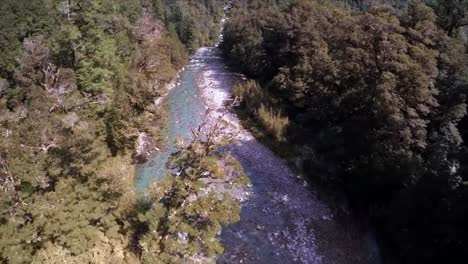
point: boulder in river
(145, 146)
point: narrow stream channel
(186, 111)
(283, 220)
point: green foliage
(186, 213)
(453, 14)
(379, 79)
(195, 23)
(381, 94)
(366, 4)
(20, 19)
(71, 200)
(273, 122)
(78, 80)
(252, 96)
(249, 93)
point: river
(283, 220)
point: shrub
(250, 93)
(273, 122)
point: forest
(377, 91)
(78, 80)
(368, 95)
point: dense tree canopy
(78, 80)
(376, 90)
(379, 92)
(453, 14)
